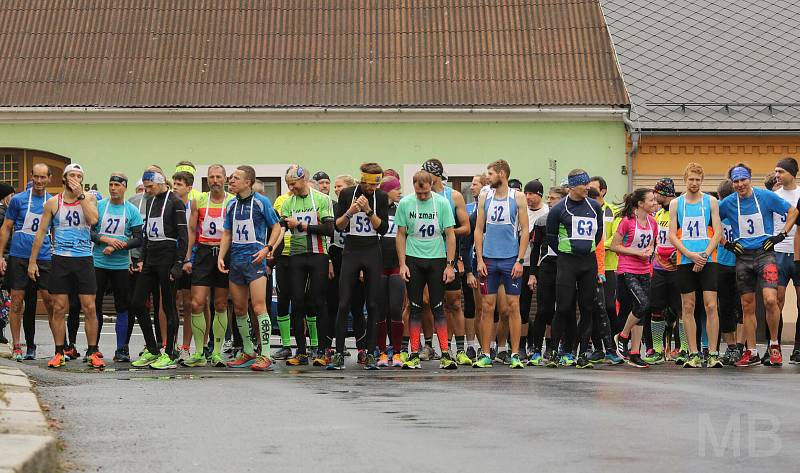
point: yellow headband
(367, 178)
(185, 168)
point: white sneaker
(183, 355)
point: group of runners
(656, 278)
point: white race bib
(31, 223)
(642, 238)
(112, 225)
(694, 228)
(392, 231)
(727, 232)
(663, 239)
(499, 212)
(306, 218)
(583, 228)
(211, 227)
(360, 225)
(751, 226)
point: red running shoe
(96, 360)
(775, 356)
(57, 361)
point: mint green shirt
(425, 222)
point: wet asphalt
(538, 419)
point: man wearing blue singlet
(72, 213)
(501, 241)
(695, 230)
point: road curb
(26, 443)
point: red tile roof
(306, 53)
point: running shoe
(96, 360)
(262, 363)
(427, 353)
(30, 353)
(145, 359)
(503, 358)
(164, 362)
(383, 360)
(493, 352)
(17, 353)
(207, 353)
(775, 355)
(536, 359)
(552, 361)
(636, 361)
(622, 346)
(484, 361)
(567, 359)
(413, 362)
(462, 358)
(654, 358)
(765, 358)
(217, 361)
(71, 353)
(298, 359)
(361, 358)
(681, 358)
(183, 354)
(403, 356)
(321, 358)
(583, 362)
(282, 353)
(195, 361)
(227, 346)
(397, 361)
(471, 353)
(613, 359)
(242, 361)
(447, 362)
(795, 358)
(729, 357)
(337, 362)
(748, 358)
(515, 363)
(370, 363)
(57, 361)
(121, 356)
(597, 356)
(694, 361)
(713, 361)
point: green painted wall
(336, 147)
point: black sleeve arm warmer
(537, 239)
(552, 228)
(181, 229)
(135, 241)
(383, 212)
(325, 228)
(94, 235)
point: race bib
(751, 226)
(583, 228)
(694, 228)
(499, 213)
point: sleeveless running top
(694, 226)
(72, 235)
(500, 237)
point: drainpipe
(635, 133)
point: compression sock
(404, 343)
(657, 331)
(198, 331)
(121, 327)
(684, 340)
(440, 326)
(415, 327)
(265, 330)
(220, 325)
(397, 335)
(380, 330)
(460, 342)
(285, 329)
(312, 331)
(429, 341)
(243, 325)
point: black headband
(118, 179)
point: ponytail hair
(631, 201)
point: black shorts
(664, 293)
(184, 283)
(18, 274)
(756, 268)
(204, 270)
(690, 281)
(455, 284)
(73, 274)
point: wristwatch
(521, 261)
(270, 247)
(452, 263)
(82, 196)
(370, 213)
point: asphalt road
(537, 419)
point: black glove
(176, 271)
(769, 243)
(735, 247)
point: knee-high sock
(440, 326)
(121, 327)
(243, 324)
(198, 331)
(682, 334)
(415, 326)
(381, 335)
(220, 326)
(311, 322)
(264, 330)
(657, 330)
(285, 329)
(397, 335)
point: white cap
(73, 167)
(139, 183)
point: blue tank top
(72, 235)
(694, 227)
(500, 236)
(447, 193)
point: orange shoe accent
(57, 361)
(263, 363)
(96, 360)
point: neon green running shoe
(694, 361)
(484, 361)
(654, 358)
(146, 359)
(681, 358)
(516, 363)
(195, 361)
(713, 361)
(403, 356)
(463, 359)
(553, 360)
(217, 361)
(412, 363)
(447, 362)
(568, 359)
(164, 362)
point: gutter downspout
(635, 132)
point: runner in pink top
(634, 242)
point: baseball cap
(73, 167)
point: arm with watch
(524, 234)
(450, 244)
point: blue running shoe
(30, 353)
(614, 359)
